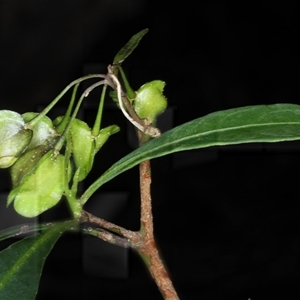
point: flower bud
(13, 136)
(42, 188)
(150, 101)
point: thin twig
(108, 237)
(132, 236)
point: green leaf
(129, 47)
(23, 229)
(21, 263)
(261, 123)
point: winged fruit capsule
(42, 188)
(43, 131)
(43, 139)
(85, 145)
(104, 134)
(26, 163)
(150, 101)
(14, 137)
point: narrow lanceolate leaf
(21, 263)
(261, 123)
(129, 47)
(22, 229)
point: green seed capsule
(42, 188)
(42, 131)
(26, 163)
(104, 134)
(13, 136)
(83, 147)
(150, 101)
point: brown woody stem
(142, 241)
(148, 250)
(133, 237)
(107, 236)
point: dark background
(226, 219)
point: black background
(226, 219)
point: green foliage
(48, 159)
(27, 228)
(21, 263)
(129, 47)
(262, 123)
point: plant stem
(132, 117)
(97, 124)
(128, 234)
(61, 141)
(142, 241)
(51, 105)
(129, 91)
(108, 237)
(148, 249)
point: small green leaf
(21, 263)
(261, 123)
(129, 47)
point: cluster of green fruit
(44, 157)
